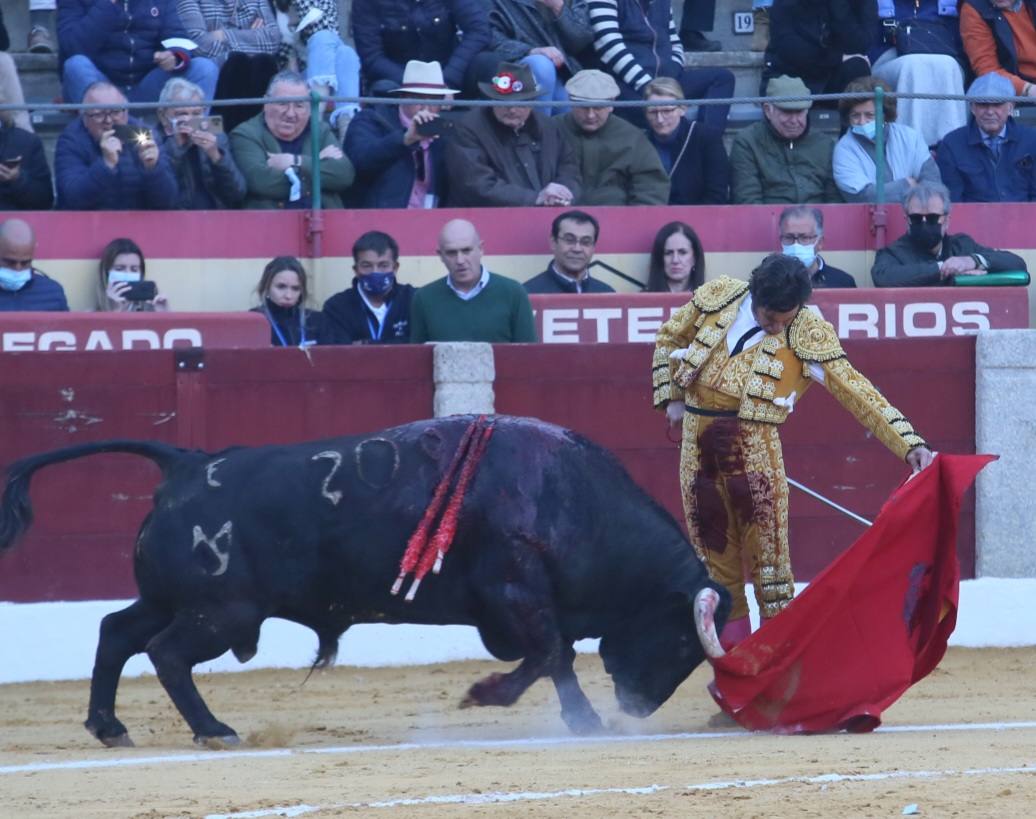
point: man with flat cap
(778, 161)
(617, 163)
(510, 155)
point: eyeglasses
(798, 238)
(925, 218)
(582, 241)
(109, 114)
(662, 113)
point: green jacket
(768, 169)
(501, 313)
(252, 141)
(619, 165)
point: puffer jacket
(119, 38)
(768, 169)
(388, 33)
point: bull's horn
(705, 603)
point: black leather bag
(926, 37)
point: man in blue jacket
(123, 43)
(105, 161)
(22, 287)
(992, 158)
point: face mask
(123, 276)
(926, 236)
(806, 254)
(14, 279)
(867, 130)
(377, 284)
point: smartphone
(144, 290)
(440, 126)
(213, 124)
(13, 162)
(131, 135)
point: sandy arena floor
(391, 742)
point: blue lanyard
(375, 329)
(280, 336)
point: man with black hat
(778, 161)
(617, 163)
(510, 155)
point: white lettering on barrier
(561, 326)
(912, 311)
(854, 317)
(98, 340)
(19, 342)
(149, 338)
(190, 335)
(57, 340)
(970, 312)
(602, 315)
(919, 319)
(27, 341)
(644, 323)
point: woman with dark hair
(121, 284)
(283, 291)
(692, 153)
(907, 157)
(677, 260)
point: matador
(730, 366)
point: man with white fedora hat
(399, 159)
(510, 155)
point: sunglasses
(925, 218)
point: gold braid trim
(858, 395)
(718, 293)
(675, 334)
(813, 339)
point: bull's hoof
(583, 723)
(490, 691)
(218, 743)
(112, 735)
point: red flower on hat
(507, 83)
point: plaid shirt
(234, 17)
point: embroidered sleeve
(858, 395)
(675, 335)
(814, 339)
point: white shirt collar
(474, 291)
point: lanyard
(376, 329)
(280, 336)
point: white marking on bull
(72, 419)
(68, 394)
(210, 470)
(333, 496)
(222, 556)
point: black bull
(554, 542)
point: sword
(828, 501)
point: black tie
(744, 338)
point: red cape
(868, 627)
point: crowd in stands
(431, 150)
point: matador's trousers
(735, 498)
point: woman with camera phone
(121, 283)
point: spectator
(822, 42)
(801, 234)
(396, 166)
(272, 150)
(390, 33)
(332, 67)
(41, 22)
(692, 154)
(1000, 36)
(927, 255)
(992, 158)
(25, 181)
(778, 161)
(511, 155)
(637, 42)
(22, 286)
(617, 164)
(907, 158)
(206, 175)
(698, 17)
(106, 161)
(118, 281)
(243, 39)
(122, 43)
(10, 86)
(283, 292)
(573, 236)
(376, 309)
(922, 54)
(549, 36)
(677, 260)
(470, 303)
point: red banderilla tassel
(419, 539)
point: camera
(144, 290)
(440, 126)
(213, 124)
(132, 135)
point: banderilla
(829, 502)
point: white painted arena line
(232, 755)
(498, 797)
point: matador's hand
(919, 458)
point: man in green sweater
(469, 303)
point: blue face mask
(867, 130)
(806, 254)
(377, 284)
(14, 279)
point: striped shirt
(611, 47)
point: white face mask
(806, 254)
(13, 280)
(122, 276)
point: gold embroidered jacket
(779, 368)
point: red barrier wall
(88, 511)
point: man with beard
(573, 236)
(927, 255)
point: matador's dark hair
(780, 283)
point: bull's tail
(16, 508)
